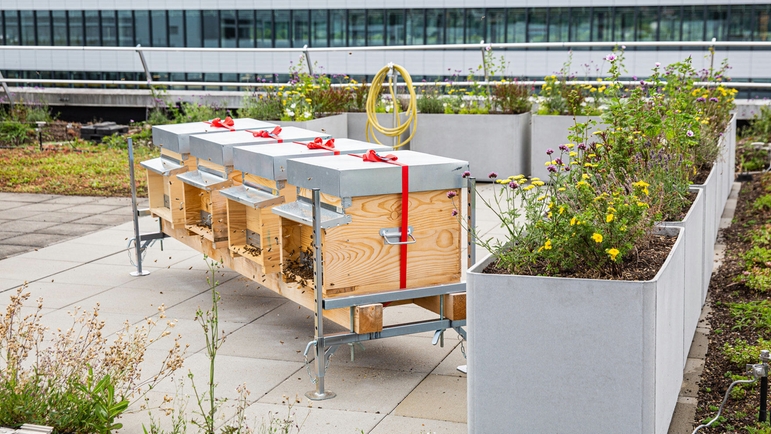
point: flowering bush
(557, 97)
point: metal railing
(482, 46)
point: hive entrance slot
(206, 219)
(166, 201)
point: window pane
(27, 28)
(416, 26)
(92, 28)
(109, 29)
(338, 28)
(580, 24)
(246, 28)
(158, 19)
(43, 27)
(693, 23)
(281, 25)
(647, 23)
(142, 28)
(11, 28)
(228, 28)
(300, 28)
(716, 22)
(669, 27)
(536, 26)
(211, 29)
(764, 23)
(356, 27)
(194, 76)
(623, 24)
(319, 28)
(475, 26)
(125, 29)
(213, 77)
(743, 22)
(264, 25)
(59, 19)
(176, 29)
(395, 29)
(558, 24)
(193, 34)
(454, 26)
(602, 29)
(516, 28)
(435, 26)
(375, 27)
(496, 25)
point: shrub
(512, 98)
(759, 127)
(263, 106)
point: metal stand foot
(319, 396)
(463, 368)
(140, 273)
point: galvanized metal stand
(141, 242)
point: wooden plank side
(176, 189)
(454, 305)
(219, 215)
(368, 318)
(259, 180)
(236, 223)
(155, 189)
(192, 198)
(326, 198)
(355, 255)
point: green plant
(750, 158)
(763, 203)
(158, 116)
(754, 314)
(197, 112)
(759, 127)
(557, 97)
(512, 97)
(263, 106)
(14, 133)
(741, 353)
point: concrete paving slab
(30, 269)
(70, 251)
(72, 200)
(193, 281)
(313, 420)
(411, 425)
(272, 342)
(138, 301)
(35, 240)
(6, 251)
(357, 389)
(104, 219)
(439, 397)
(25, 226)
(25, 197)
(120, 201)
(8, 234)
(259, 375)
(71, 229)
(9, 285)
(63, 318)
(13, 204)
(401, 353)
(16, 214)
(449, 365)
(191, 333)
(43, 207)
(153, 259)
(411, 313)
(240, 286)
(58, 295)
(108, 275)
(57, 217)
(92, 208)
(243, 309)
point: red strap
(268, 135)
(219, 123)
(318, 143)
(373, 156)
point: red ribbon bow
(374, 157)
(219, 123)
(268, 135)
(318, 143)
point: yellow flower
(548, 214)
(611, 209)
(573, 153)
(612, 253)
(642, 204)
(574, 221)
(308, 100)
(622, 228)
(538, 183)
(562, 209)
(561, 189)
(535, 178)
(609, 218)
(582, 184)
(585, 176)
(642, 185)
(547, 245)
(599, 80)
(570, 145)
(551, 205)
(541, 198)
(528, 188)
(588, 165)
(593, 90)
(597, 237)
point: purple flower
(513, 185)
(567, 168)
(582, 146)
(689, 133)
(549, 151)
(454, 212)
(552, 168)
(658, 64)
(713, 99)
(700, 99)
(451, 194)
(131, 120)
(610, 57)
(466, 174)
(559, 162)
(634, 78)
(564, 148)
(492, 175)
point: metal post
(763, 399)
(484, 66)
(318, 283)
(135, 212)
(308, 60)
(471, 221)
(144, 64)
(712, 56)
(5, 89)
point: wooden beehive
(254, 231)
(363, 200)
(165, 192)
(205, 207)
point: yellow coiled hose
(372, 99)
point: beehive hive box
(364, 200)
(254, 231)
(205, 207)
(165, 191)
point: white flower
(307, 115)
(294, 104)
(689, 133)
(610, 57)
(289, 112)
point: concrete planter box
(557, 355)
(550, 132)
(357, 123)
(335, 125)
(490, 143)
(711, 221)
(693, 238)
